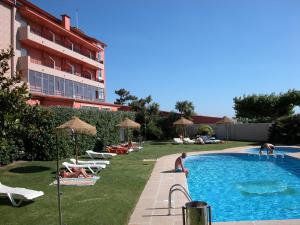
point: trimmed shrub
(35, 137)
(205, 130)
(286, 130)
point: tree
(147, 112)
(265, 108)
(13, 97)
(185, 108)
(205, 130)
(124, 97)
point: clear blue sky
(204, 51)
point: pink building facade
(62, 65)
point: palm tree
(185, 108)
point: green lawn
(110, 202)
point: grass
(109, 202)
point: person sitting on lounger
(269, 147)
(76, 172)
(179, 164)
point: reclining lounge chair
(177, 141)
(18, 195)
(101, 155)
(89, 167)
(96, 162)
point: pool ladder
(173, 188)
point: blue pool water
(279, 150)
(243, 187)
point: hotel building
(61, 64)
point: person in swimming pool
(179, 164)
(268, 146)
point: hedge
(286, 130)
(35, 139)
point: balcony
(30, 37)
(25, 63)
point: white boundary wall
(245, 132)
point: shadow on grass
(29, 169)
(7, 202)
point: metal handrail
(173, 189)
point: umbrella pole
(76, 149)
(58, 182)
(128, 135)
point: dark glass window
(45, 83)
(59, 86)
(51, 85)
(69, 88)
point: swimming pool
(279, 150)
(242, 187)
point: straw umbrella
(183, 122)
(128, 124)
(225, 120)
(76, 126)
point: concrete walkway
(152, 207)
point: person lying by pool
(269, 147)
(179, 164)
(75, 173)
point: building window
(99, 56)
(69, 88)
(52, 85)
(59, 86)
(101, 93)
(99, 74)
(45, 83)
(35, 81)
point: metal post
(58, 182)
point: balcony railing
(68, 46)
(58, 68)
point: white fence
(243, 132)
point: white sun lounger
(101, 155)
(97, 162)
(18, 195)
(188, 141)
(177, 141)
(90, 167)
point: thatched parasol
(128, 124)
(183, 122)
(225, 120)
(76, 126)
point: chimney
(65, 21)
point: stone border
(152, 207)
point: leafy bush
(286, 130)
(35, 137)
(205, 130)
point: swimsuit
(178, 170)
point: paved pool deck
(152, 207)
